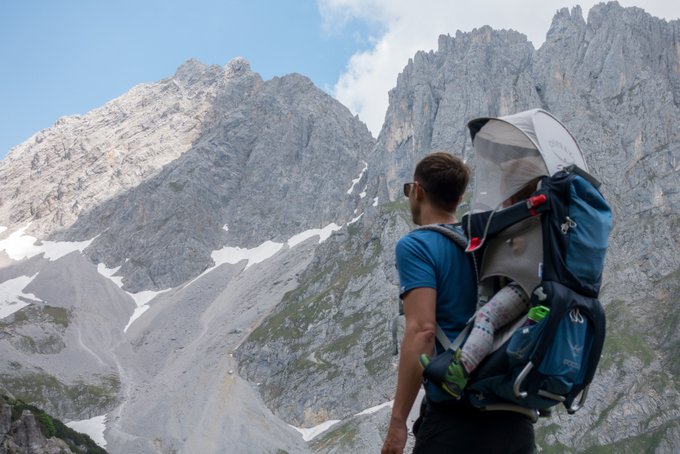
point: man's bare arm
(419, 335)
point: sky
(68, 57)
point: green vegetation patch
(398, 208)
(342, 437)
(20, 316)
(647, 442)
(53, 427)
(624, 338)
(618, 346)
(35, 313)
(45, 390)
(59, 315)
(319, 296)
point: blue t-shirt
(426, 258)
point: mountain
(209, 259)
(273, 166)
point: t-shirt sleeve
(415, 266)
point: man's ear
(420, 192)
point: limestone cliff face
(24, 435)
(272, 159)
(485, 72)
(157, 174)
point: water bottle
(536, 314)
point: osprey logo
(575, 349)
(571, 364)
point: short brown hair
(444, 178)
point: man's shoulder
(433, 245)
(426, 236)
(417, 238)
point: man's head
(440, 180)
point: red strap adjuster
(475, 243)
(535, 201)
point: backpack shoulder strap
(453, 234)
(461, 240)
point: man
(438, 286)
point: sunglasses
(408, 186)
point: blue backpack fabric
(553, 361)
(576, 233)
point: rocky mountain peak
(565, 20)
(469, 75)
(192, 70)
(237, 66)
(256, 165)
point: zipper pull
(568, 224)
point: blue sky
(67, 57)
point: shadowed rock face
(24, 434)
(309, 328)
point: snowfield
(93, 427)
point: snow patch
(225, 227)
(309, 434)
(139, 310)
(141, 299)
(55, 250)
(2, 228)
(109, 273)
(312, 358)
(355, 219)
(375, 202)
(363, 193)
(19, 246)
(323, 234)
(94, 427)
(10, 291)
(358, 179)
(233, 255)
(370, 411)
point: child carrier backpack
(553, 245)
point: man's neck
(433, 216)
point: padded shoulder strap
(461, 240)
(452, 234)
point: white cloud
(409, 26)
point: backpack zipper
(569, 223)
